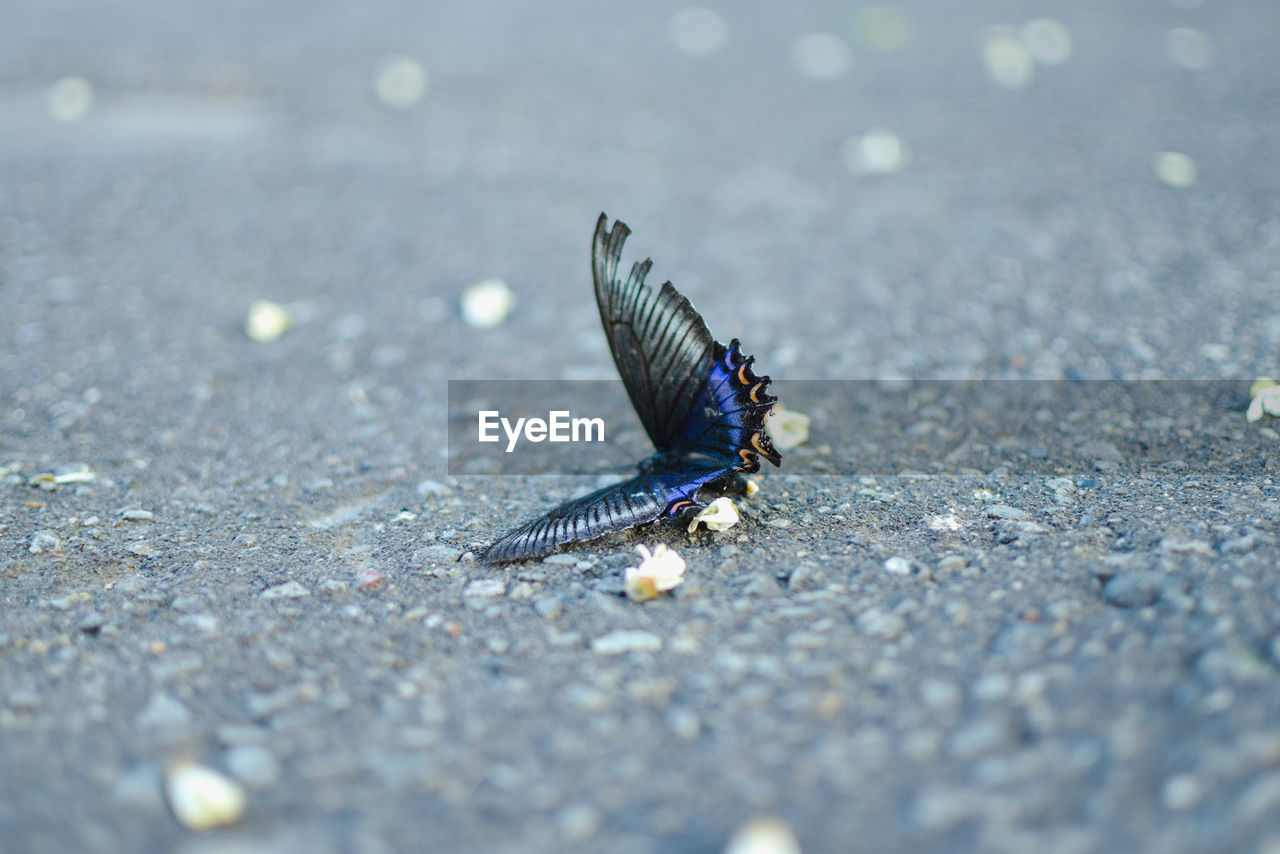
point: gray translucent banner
(867, 427)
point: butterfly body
(700, 402)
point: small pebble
(1134, 589)
(288, 590)
(254, 765)
(550, 608)
(1003, 511)
(486, 588)
(134, 514)
(898, 566)
(578, 823)
(624, 641)
(882, 624)
(44, 541)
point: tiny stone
(44, 541)
(578, 823)
(133, 514)
(882, 624)
(549, 608)
(163, 712)
(560, 559)
(684, 723)
(952, 563)
(486, 588)
(1003, 511)
(1101, 451)
(141, 548)
(432, 487)
(521, 590)
(806, 576)
(623, 641)
(254, 765)
(1182, 792)
(898, 566)
(1183, 546)
(1134, 589)
(1261, 799)
(1241, 545)
(940, 694)
(436, 554)
(23, 700)
(288, 590)
(139, 789)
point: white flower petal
(787, 428)
(658, 572)
(719, 515)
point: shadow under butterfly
(700, 402)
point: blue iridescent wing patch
(701, 403)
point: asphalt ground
(253, 555)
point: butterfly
(701, 403)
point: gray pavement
(262, 574)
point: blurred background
(921, 189)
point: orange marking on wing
(755, 443)
(742, 373)
(755, 392)
(745, 454)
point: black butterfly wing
(727, 422)
(661, 346)
(614, 508)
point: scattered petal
(1175, 169)
(1189, 49)
(719, 515)
(486, 304)
(697, 31)
(267, 321)
(787, 428)
(881, 28)
(878, 152)
(1266, 399)
(764, 836)
(1007, 60)
(822, 56)
(657, 573)
(1047, 40)
(401, 82)
(201, 798)
(70, 99)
